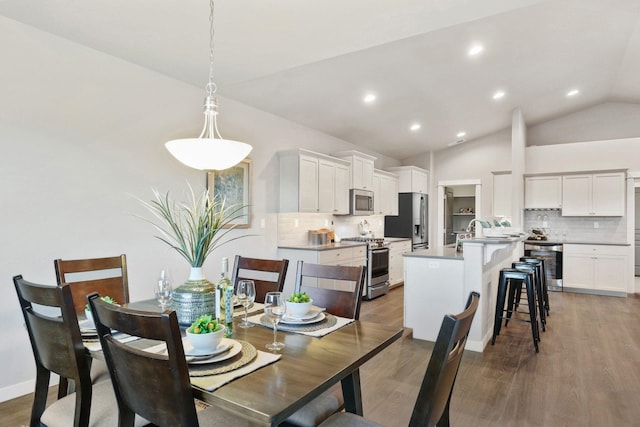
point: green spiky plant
(195, 228)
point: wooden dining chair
(57, 348)
(107, 276)
(339, 303)
(152, 385)
(267, 274)
(432, 405)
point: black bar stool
(510, 279)
(543, 270)
(537, 282)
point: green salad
(299, 297)
(204, 325)
(105, 299)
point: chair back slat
(432, 404)
(267, 274)
(337, 302)
(106, 276)
(154, 386)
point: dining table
(304, 369)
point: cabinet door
(389, 192)
(367, 175)
(542, 192)
(377, 194)
(419, 182)
(576, 195)
(341, 196)
(577, 271)
(326, 186)
(357, 167)
(610, 273)
(308, 189)
(609, 194)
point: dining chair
(56, 342)
(267, 274)
(339, 303)
(107, 276)
(434, 397)
(152, 385)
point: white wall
(606, 121)
(82, 137)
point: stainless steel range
(377, 282)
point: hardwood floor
(587, 372)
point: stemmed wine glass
(163, 290)
(275, 310)
(246, 293)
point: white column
(518, 145)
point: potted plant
(194, 229)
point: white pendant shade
(208, 153)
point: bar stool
(537, 282)
(510, 279)
(543, 273)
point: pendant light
(209, 151)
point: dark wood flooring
(587, 372)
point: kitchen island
(438, 281)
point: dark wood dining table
(308, 367)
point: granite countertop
(327, 247)
(442, 252)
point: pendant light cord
(211, 86)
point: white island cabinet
(438, 281)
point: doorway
(458, 203)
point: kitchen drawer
(359, 251)
(335, 256)
(595, 250)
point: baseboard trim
(18, 390)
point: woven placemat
(246, 356)
(328, 322)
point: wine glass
(163, 290)
(275, 310)
(246, 293)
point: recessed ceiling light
(573, 92)
(369, 98)
(499, 94)
(475, 49)
(461, 134)
(415, 127)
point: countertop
(327, 247)
(442, 252)
(575, 242)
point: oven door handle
(378, 250)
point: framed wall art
(234, 186)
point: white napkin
(213, 382)
(340, 322)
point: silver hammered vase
(195, 298)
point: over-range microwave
(361, 202)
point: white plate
(310, 315)
(190, 351)
(236, 348)
(317, 317)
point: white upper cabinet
(543, 192)
(313, 182)
(385, 193)
(411, 179)
(502, 191)
(597, 194)
(361, 168)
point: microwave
(361, 202)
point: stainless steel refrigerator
(411, 221)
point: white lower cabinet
(348, 255)
(600, 268)
(396, 260)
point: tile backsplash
(293, 227)
(572, 228)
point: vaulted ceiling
(312, 61)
